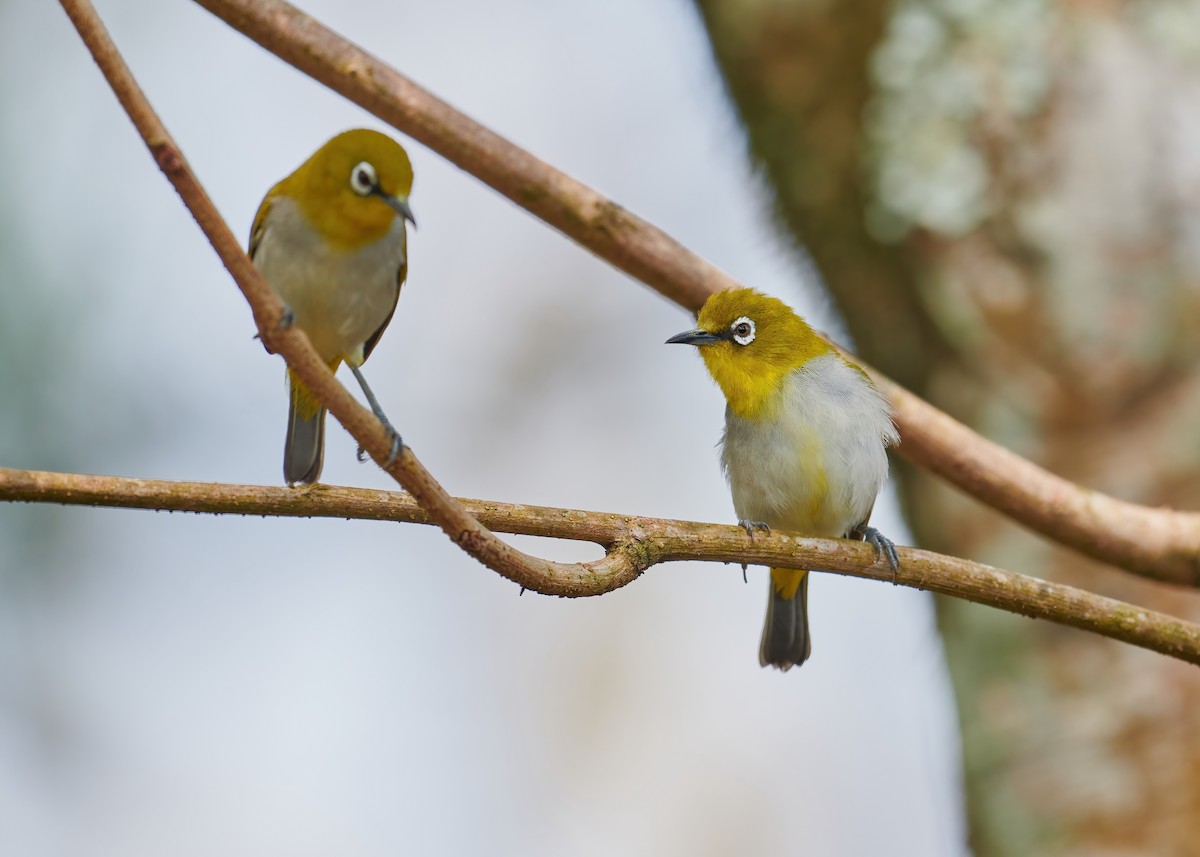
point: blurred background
(1004, 199)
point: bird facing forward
(330, 241)
(804, 442)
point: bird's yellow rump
(804, 442)
(330, 241)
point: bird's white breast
(817, 464)
(338, 297)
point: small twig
(616, 568)
(1157, 543)
(634, 544)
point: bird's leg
(397, 444)
(750, 527)
(882, 544)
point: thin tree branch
(1163, 544)
(641, 542)
(615, 569)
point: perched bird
(330, 241)
(804, 441)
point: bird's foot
(884, 548)
(285, 321)
(751, 526)
(397, 447)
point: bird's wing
(373, 339)
(260, 222)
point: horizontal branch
(649, 541)
(1158, 543)
(616, 568)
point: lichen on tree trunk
(1003, 198)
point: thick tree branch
(616, 569)
(1158, 543)
(641, 542)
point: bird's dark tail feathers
(785, 640)
(304, 450)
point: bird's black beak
(693, 337)
(401, 206)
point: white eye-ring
(363, 179)
(742, 330)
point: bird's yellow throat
(752, 376)
(343, 218)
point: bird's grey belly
(339, 299)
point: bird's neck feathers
(753, 377)
(346, 220)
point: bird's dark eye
(742, 330)
(363, 179)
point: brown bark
(1001, 206)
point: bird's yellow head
(750, 342)
(353, 187)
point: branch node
(168, 157)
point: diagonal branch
(1163, 544)
(616, 568)
(642, 542)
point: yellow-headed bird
(330, 241)
(804, 443)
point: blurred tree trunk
(1003, 197)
